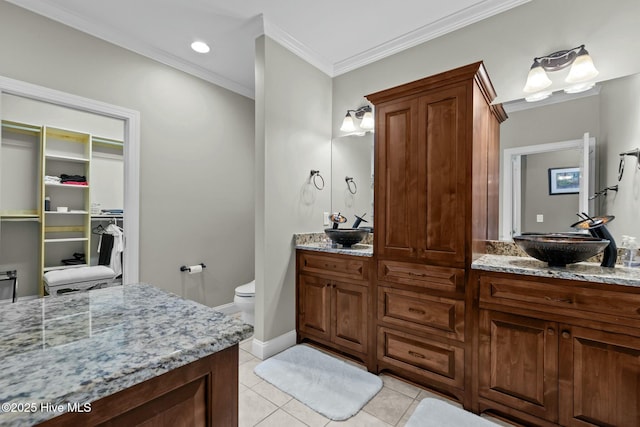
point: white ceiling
(335, 36)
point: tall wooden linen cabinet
(436, 202)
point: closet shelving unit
(64, 233)
(21, 146)
(28, 153)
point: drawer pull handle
(566, 334)
(414, 354)
(417, 274)
(550, 331)
(563, 300)
(416, 310)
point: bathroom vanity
(333, 299)
(509, 335)
(558, 345)
(121, 356)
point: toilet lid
(247, 290)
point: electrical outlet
(539, 218)
(325, 218)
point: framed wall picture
(564, 180)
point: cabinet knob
(566, 334)
(551, 331)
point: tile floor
(264, 405)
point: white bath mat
(436, 413)
(327, 385)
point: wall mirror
(352, 177)
(609, 115)
(536, 197)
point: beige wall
(558, 211)
(197, 161)
(293, 136)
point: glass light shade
(367, 122)
(347, 124)
(580, 87)
(582, 68)
(539, 96)
(537, 79)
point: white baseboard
(228, 309)
(264, 350)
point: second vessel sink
(560, 249)
(346, 236)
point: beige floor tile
(361, 419)
(398, 385)
(425, 393)
(271, 393)
(408, 413)
(246, 344)
(253, 408)
(388, 405)
(280, 419)
(305, 414)
(245, 356)
(246, 375)
(241, 388)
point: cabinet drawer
(418, 311)
(420, 275)
(558, 298)
(425, 358)
(334, 265)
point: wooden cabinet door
(314, 306)
(349, 318)
(599, 378)
(396, 201)
(518, 363)
(443, 173)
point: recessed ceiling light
(200, 47)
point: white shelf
(20, 219)
(52, 184)
(66, 158)
(64, 267)
(70, 239)
(66, 213)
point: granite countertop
(358, 249)
(586, 271)
(81, 347)
(319, 242)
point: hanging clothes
(110, 247)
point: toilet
(245, 300)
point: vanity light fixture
(200, 47)
(363, 113)
(582, 70)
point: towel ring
(314, 175)
(349, 181)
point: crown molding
(296, 47)
(115, 37)
(428, 32)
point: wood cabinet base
(202, 393)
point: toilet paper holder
(189, 267)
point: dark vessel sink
(560, 249)
(346, 236)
